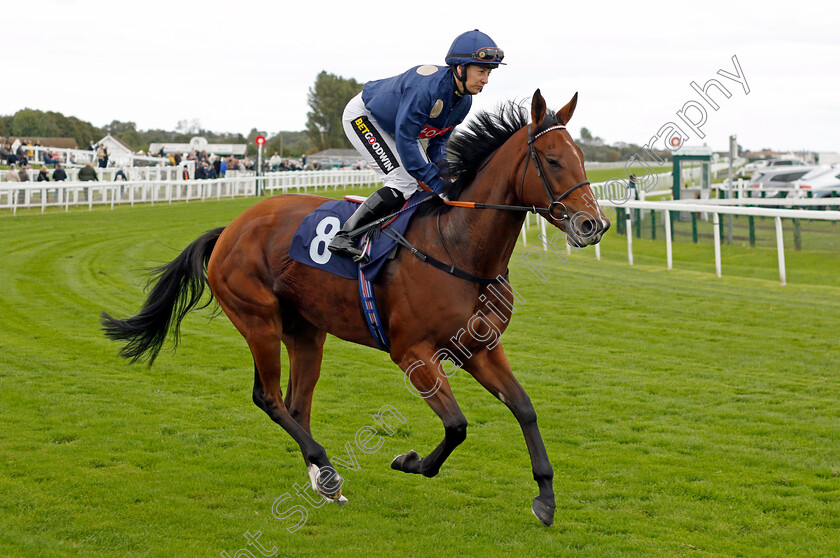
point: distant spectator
(217, 167)
(631, 186)
(120, 176)
(43, 175)
(211, 171)
(59, 174)
(102, 156)
(92, 146)
(24, 173)
(234, 164)
(222, 168)
(275, 161)
(177, 157)
(12, 174)
(4, 152)
(88, 173)
(21, 156)
(50, 158)
(200, 171)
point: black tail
(180, 285)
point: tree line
(326, 98)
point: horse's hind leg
(305, 345)
(258, 320)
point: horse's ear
(537, 108)
(565, 113)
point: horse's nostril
(588, 227)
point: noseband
(554, 201)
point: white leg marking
(314, 471)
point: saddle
(313, 235)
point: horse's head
(554, 177)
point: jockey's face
(477, 78)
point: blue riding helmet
(474, 47)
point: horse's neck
(482, 240)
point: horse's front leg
(423, 381)
(492, 370)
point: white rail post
(780, 244)
(716, 224)
(524, 240)
(629, 231)
(544, 237)
(668, 254)
(598, 251)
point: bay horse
(504, 166)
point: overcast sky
(248, 64)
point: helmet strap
(462, 77)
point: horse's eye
(552, 162)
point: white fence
(716, 211)
(15, 195)
(331, 178)
(67, 156)
(132, 173)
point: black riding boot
(382, 202)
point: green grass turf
(602, 175)
(685, 415)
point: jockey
(387, 120)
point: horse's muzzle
(583, 229)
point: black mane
(471, 146)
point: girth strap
(450, 269)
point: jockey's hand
(444, 172)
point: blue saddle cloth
(309, 245)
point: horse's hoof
(543, 512)
(329, 488)
(340, 500)
(407, 462)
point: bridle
(554, 200)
